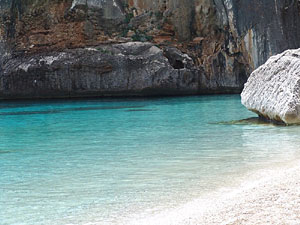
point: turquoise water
(105, 161)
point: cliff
(205, 46)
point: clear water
(105, 161)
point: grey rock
(225, 39)
(267, 27)
(112, 9)
(177, 59)
(132, 69)
(4, 4)
(273, 90)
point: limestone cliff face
(226, 39)
(133, 68)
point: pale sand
(267, 197)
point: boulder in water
(273, 90)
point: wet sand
(271, 196)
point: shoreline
(268, 196)
(116, 97)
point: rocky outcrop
(131, 69)
(226, 39)
(273, 90)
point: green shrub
(128, 17)
(159, 15)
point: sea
(115, 161)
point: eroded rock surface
(273, 90)
(225, 39)
(131, 69)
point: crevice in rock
(175, 58)
(177, 64)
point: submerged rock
(273, 90)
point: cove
(106, 161)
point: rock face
(226, 39)
(131, 69)
(273, 90)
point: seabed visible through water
(108, 161)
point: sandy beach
(270, 196)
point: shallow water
(106, 161)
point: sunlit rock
(273, 90)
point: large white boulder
(273, 90)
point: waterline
(266, 196)
(134, 158)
